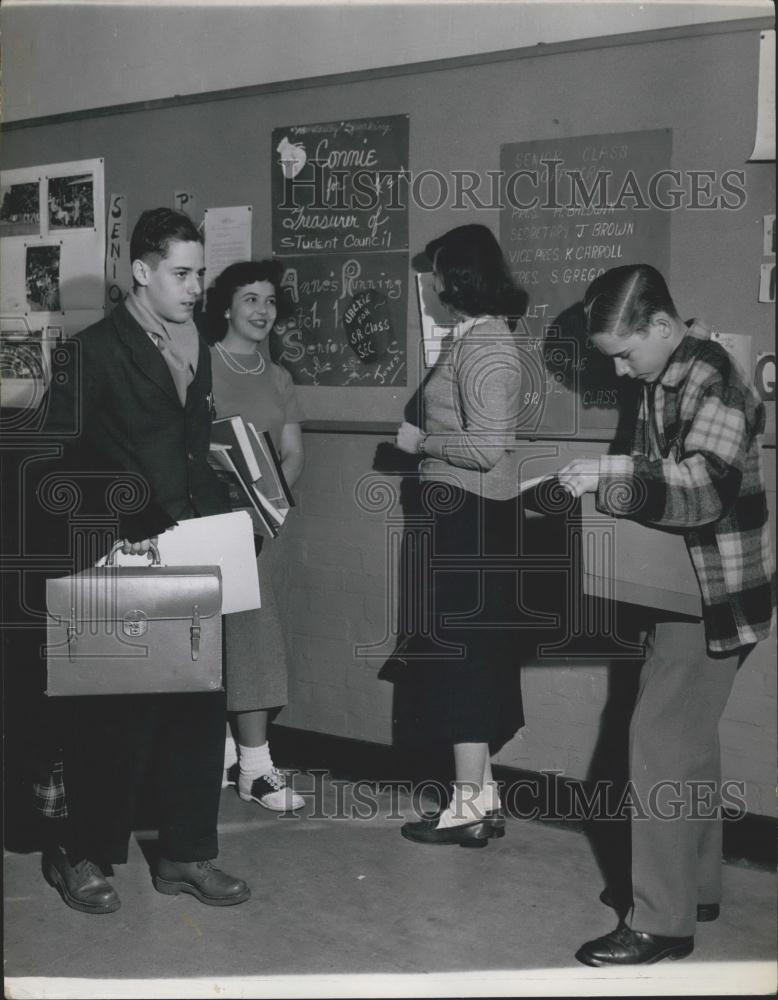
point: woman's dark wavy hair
(623, 300)
(232, 278)
(476, 279)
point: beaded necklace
(234, 365)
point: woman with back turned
(468, 695)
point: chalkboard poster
(572, 209)
(336, 186)
(348, 320)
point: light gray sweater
(472, 403)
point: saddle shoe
(82, 886)
(270, 790)
(202, 880)
(627, 947)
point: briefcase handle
(153, 553)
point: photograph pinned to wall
(20, 209)
(71, 202)
(768, 236)
(42, 278)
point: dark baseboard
(548, 797)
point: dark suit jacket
(130, 451)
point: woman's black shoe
(475, 834)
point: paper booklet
(223, 540)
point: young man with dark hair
(130, 403)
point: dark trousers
(675, 768)
(113, 744)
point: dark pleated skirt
(457, 672)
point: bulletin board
(572, 209)
(464, 117)
(342, 234)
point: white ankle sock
(255, 761)
(230, 752)
(489, 796)
(466, 806)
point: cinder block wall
(335, 594)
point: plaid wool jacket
(695, 467)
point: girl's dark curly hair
(476, 279)
(229, 281)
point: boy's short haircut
(157, 228)
(623, 300)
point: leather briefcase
(134, 630)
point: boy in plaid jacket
(695, 469)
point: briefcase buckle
(72, 635)
(194, 632)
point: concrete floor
(335, 900)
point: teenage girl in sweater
(467, 694)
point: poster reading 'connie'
(340, 227)
(338, 186)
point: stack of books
(246, 461)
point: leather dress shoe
(475, 834)
(82, 885)
(627, 947)
(706, 912)
(201, 880)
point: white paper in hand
(223, 540)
